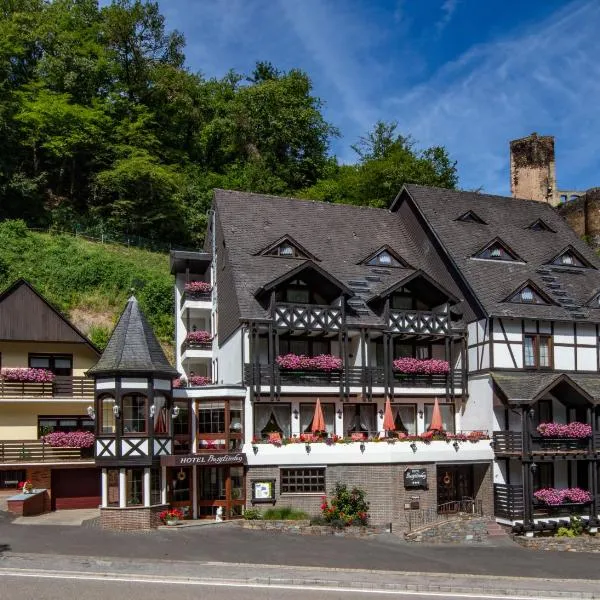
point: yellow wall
(16, 354)
(18, 420)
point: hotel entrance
(220, 487)
(454, 484)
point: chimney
(533, 169)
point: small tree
(347, 507)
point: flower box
(555, 497)
(575, 430)
(27, 375)
(70, 439)
(200, 288)
(301, 363)
(414, 366)
(193, 381)
(198, 338)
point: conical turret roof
(133, 348)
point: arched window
(107, 415)
(134, 414)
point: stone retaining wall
(458, 530)
(583, 543)
(305, 528)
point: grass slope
(87, 281)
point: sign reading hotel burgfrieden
(415, 478)
(207, 460)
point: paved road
(229, 543)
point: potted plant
(171, 517)
(25, 486)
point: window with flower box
(59, 364)
(220, 425)
(48, 424)
(447, 411)
(271, 419)
(302, 481)
(405, 418)
(360, 419)
(307, 413)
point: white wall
(229, 357)
(479, 356)
(478, 411)
(508, 343)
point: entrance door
(454, 483)
(179, 489)
(75, 488)
(220, 487)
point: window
(528, 294)
(220, 425)
(471, 217)
(134, 479)
(308, 347)
(571, 258)
(155, 487)
(403, 350)
(180, 485)
(540, 225)
(447, 411)
(286, 248)
(543, 476)
(405, 418)
(181, 428)
(360, 419)
(71, 423)
(307, 412)
(497, 250)
(385, 257)
(59, 364)
(537, 351)
(113, 487)
(543, 412)
(272, 418)
(107, 415)
(134, 414)
(302, 481)
(211, 417)
(11, 479)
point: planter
(172, 522)
(566, 509)
(563, 443)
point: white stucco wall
(478, 411)
(229, 357)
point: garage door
(75, 488)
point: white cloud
(448, 9)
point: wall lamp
(340, 413)
(531, 413)
(533, 467)
(413, 446)
(295, 413)
(362, 447)
(420, 413)
(175, 411)
(456, 445)
(116, 411)
(380, 413)
(255, 448)
(152, 411)
(91, 412)
(307, 448)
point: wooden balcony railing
(308, 317)
(61, 387)
(378, 374)
(507, 442)
(511, 443)
(35, 451)
(195, 296)
(508, 501)
(419, 322)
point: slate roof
(338, 236)
(526, 387)
(133, 348)
(492, 281)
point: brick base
(133, 518)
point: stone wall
(455, 530)
(131, 518)
(583, 216)
(584, 543)
(304, 527)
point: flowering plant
(25, 486)
(347, 507)
(198, 337)
(197, 287)
(172, 514)
(555, 497)
(69, 439)
(572, 430)
(193, 381)
(300, 362)
(430, 366)
(27, 375)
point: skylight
(497, 250)
(286, 247)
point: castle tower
(533, 169)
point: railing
(189, 345)
(308, 317)
(199, 296)
(443, 512)
(553, 445)
(419, 321)
(560, 510)
(377, 378)
(508, 501)
(596, 440)
(61, 387)
(507, 442)
(35, 451)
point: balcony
(408, 380)
(510, 443)
(198, 300)
(61, 387)
(419, 322)
(306, 317)
(507, 443)
(35, 451)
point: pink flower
(197, 287)
(575, 430)
(300, 362)
(70, 439)
(431, 366)
(199, 337)
(555, 497)
(27, 375)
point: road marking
(132, 578)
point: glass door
(220, 487)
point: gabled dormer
(498, 250)
(540, 225)
(569, 257)
(528, 293)
(287, 247)
(471, 217)
(385, 257)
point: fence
(443, 512)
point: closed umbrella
(318, 422)
(388, 418)
(436, 418)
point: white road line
(131, 578)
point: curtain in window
(279, 413)
(307, 412)
(107, 423)
(405, 418)
(544, 352)
(360, 418)
(160, 415)
(529, 346)
(447, 411)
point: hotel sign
(215, 459)
(415, 478)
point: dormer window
(385, 257)
(286, 247)
(528, 294)
(571, 258)
(540, 225)
(471, 217)
(498, 250)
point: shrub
(347, 506)
(575, 528)
(285, 513)
(565, 532)
(252, 514)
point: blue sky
(467, 74)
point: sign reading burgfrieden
(204, 460)
(415, 478)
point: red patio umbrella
(388, 418)
(318, 422)
(436, 418)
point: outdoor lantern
(362, 446)
(413, 446)
(339, 413)
(456, 445)
(307, 447)
(255, 448)
(421, 414)
(531, 413)
(116, 411)
(533, 467)
(91, 412)
(175, 412)
(380, 413)
(152, 411)
(295, 413)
